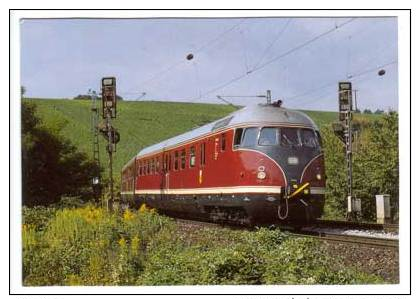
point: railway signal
(109, 111)
(344, 130)
(344, 99)
(109, 97)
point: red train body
(260, 164)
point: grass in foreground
(88, 246)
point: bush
(375, 167)
(89, 246)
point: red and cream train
(260, 164)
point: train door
(202, 162)
(134, 177)
(164, 177)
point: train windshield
(289, 137)
(308, 138)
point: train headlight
(261, 175)
(318, 176)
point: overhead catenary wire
(182, 61)
(361, 73)
(284, 54)
(273, 42)
(358, 79)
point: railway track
(353, 239)
(312, 232)
(387, 227)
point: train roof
(250, 115)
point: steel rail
(353, 239)
(391, 243)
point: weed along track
(352, 233)
(142, 247)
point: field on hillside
(139, 123)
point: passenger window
(223, 142)
(170, 161)
(176, 161)
(250, 137)
(148, 166)
(183, 159)
(268, 136)
(238, 137)
(192, 156)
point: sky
(300, 60)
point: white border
(404, 111)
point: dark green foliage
(88, 246)
(375, 167)
(51, 165)
(38, 216)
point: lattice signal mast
(96, 180)
(109, 111)
(345, 99)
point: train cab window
(223, 142)
(308, 138)
(289, 137)
(203, 153)
(192, 156)
(183, 158)
(249, 137)
(176, 161)
(238, 137)
(268, 136)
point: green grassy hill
(139, 123)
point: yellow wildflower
(143, 208)
(135, 243)
(122, 242)
(128, 215)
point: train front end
(292, 141)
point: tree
(22, 90)
(375, 167)
(367, 111)
(51, 166)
